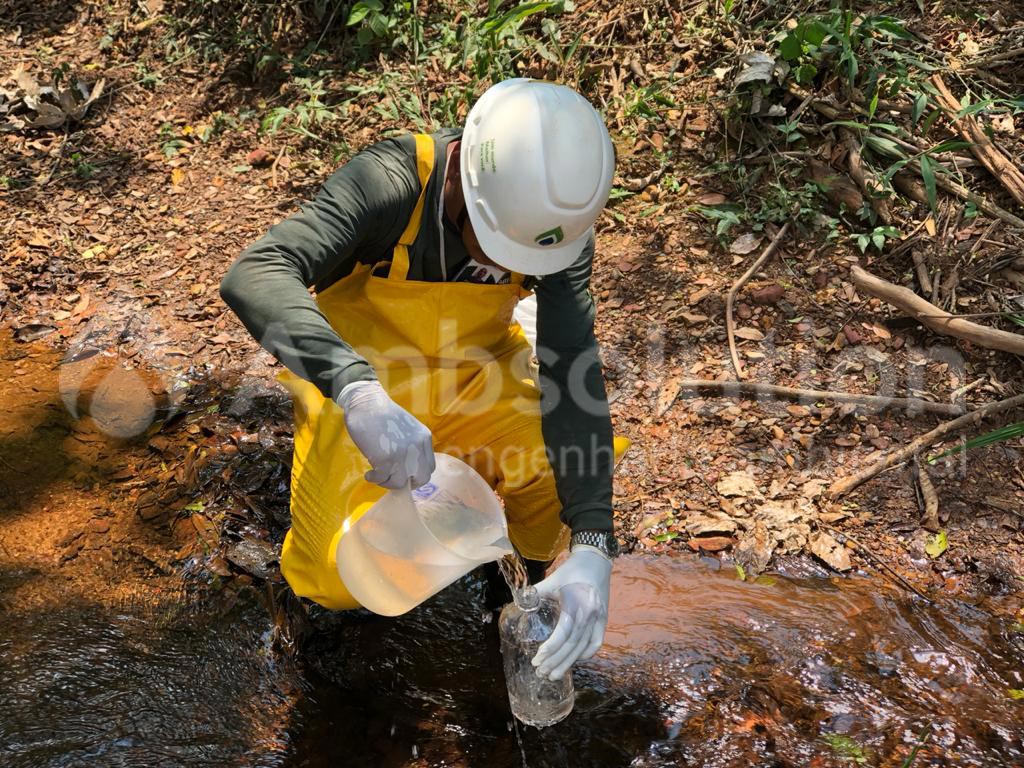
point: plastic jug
(410, 545)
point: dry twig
(844, 538)
(912, 405)
(1008, 174)
(730, 322)
(930, 521)
(846, 484)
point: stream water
(699, 669)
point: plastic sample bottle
(523, 627)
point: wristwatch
(603, 541)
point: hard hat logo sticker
(551, 237)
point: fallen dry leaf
(744, 244)
(750, 334)
(738, 484)
(700, 524)
(667, 394)
(830, 551)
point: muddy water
(699, 669)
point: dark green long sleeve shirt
(357, 217)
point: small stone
(770, 294)
(851, 335)
(744, 312)
(258, 157)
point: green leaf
(972, 109)
(361, 9)
(815, 33)
(195, 506)
(806, 73)
(791, 47)
(1018, 627)
(1016, 693)
(929, 122)
(740, 573)
(892, 26)
(515, 15)
(948, 146)
(846, 747)
(766, 581)
(667, 536)
(936, 545)
(920, 105)
(884, 146)
(873, 106)
(1009, 432)
(928, 177)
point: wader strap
(424, 166)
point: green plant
(392, 24)
(1001, 435)
(83, 168)
(147, 78)
(846, 748)
(304, 117)
(876, 237)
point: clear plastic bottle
(535, 700)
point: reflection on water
(138, 686)
(699, 669)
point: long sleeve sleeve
(360, 210)
(575, 419)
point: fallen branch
(846, 484)
(912, 405)
(730, 323)
(1006, 172)
(934, 318)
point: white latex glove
(581, 585)
(397, 445)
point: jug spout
(495, 550)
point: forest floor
(117, 227)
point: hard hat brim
(516, 257)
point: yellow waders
(449, 354)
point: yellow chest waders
(450, 354)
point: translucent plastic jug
(410, 545)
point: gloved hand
(396, 444)
(581, 585)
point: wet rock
(769, 294)
(254, 556)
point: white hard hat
(537, 168)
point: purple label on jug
(425, 492)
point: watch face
(613, 545)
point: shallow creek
(699, 669)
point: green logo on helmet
(551, 237)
